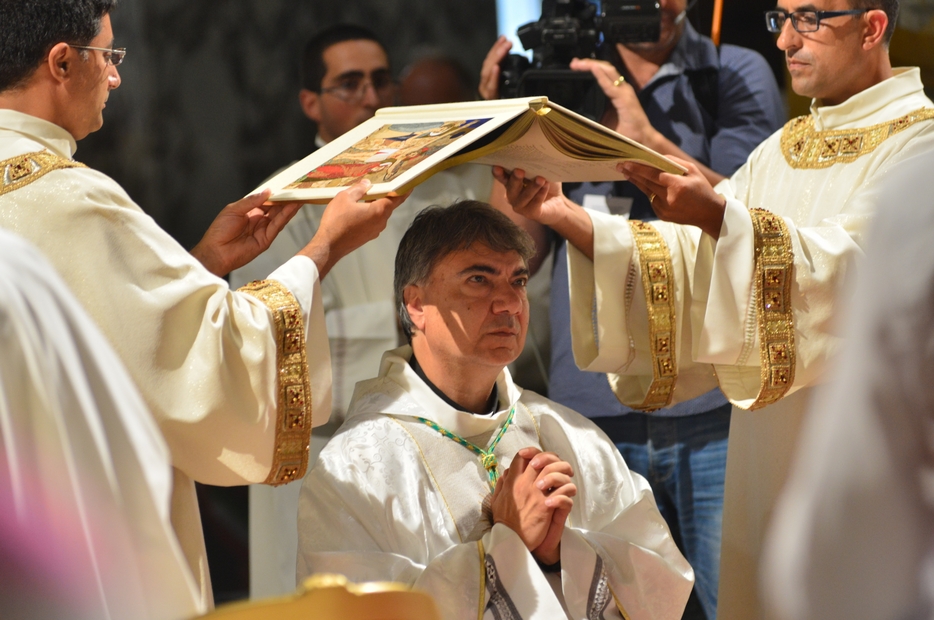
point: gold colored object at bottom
(333, 597)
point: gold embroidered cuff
(658, 286)
(774, 275)
(22, 170)
(293, 419)
(806, 148)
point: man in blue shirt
(681, 96)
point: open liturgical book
(403, 146)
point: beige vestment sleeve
(235, 381)
(207, 360)
(774, 276)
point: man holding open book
(741, 288)
(680, 96)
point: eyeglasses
(803, 21)
(112, 55)
(352, 89)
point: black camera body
(575, 29)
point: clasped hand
(534, 498)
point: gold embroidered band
(806, 148)
(658, 285)
(22, 170)
(293, 419)
(774, 275)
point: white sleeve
(615, 529)
(618, 323)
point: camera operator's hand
(489, 73)
(630, 119)
(627, 117)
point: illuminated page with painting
(400, 147)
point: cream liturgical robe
(225, 374)
(85, 477)
(670, 312)
(391, 498)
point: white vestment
(818, 180)
(853, 534)
(390, 498)
(85, 477)
(234, 380)
(361, 323)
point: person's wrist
(653, 139)
(715, 219)
(319, 250)
(547, 560)
(209, 258)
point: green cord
(487, 458)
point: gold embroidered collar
(806, 148)
(22, 170)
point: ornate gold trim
(619, 605)
(774, 275)
(22, 170)
(806, 148)
(293, 419)
(482, 553)
(658, 286)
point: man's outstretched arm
(245, 229)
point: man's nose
(508, 299)
(370, 96)
(113, 80)
(788, 38)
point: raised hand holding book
(403, 146)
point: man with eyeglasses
(682, 96)
(345, 78)
(234, 379)
(739, 286)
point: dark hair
(313, 69)
(438, 231)
(30, 28)
(889, 6)
(441, 67)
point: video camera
(575, 29)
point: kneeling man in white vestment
(448, 476)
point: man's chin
(503, 356)
(80, 133)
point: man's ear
(414, 299)
(59, 61)
(309, 101)
(876, 23)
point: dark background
(208, 108)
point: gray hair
(439, 231)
